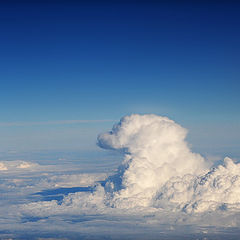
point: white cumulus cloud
(155, 151)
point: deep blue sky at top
(103, 59)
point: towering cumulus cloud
(155, 151)
(160, 171)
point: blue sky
(68, 60)
(70, 69)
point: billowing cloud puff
(218, 189)
(155, 151)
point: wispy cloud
(59, 122)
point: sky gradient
(69, 60)
(88, 92)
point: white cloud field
(161, 190)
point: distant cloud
(17, 165)
(59, 122)
(2, 167)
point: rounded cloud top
(136, 132)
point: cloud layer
(160, 184)
(159, 172)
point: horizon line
(59, 122)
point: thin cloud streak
(60, 122)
